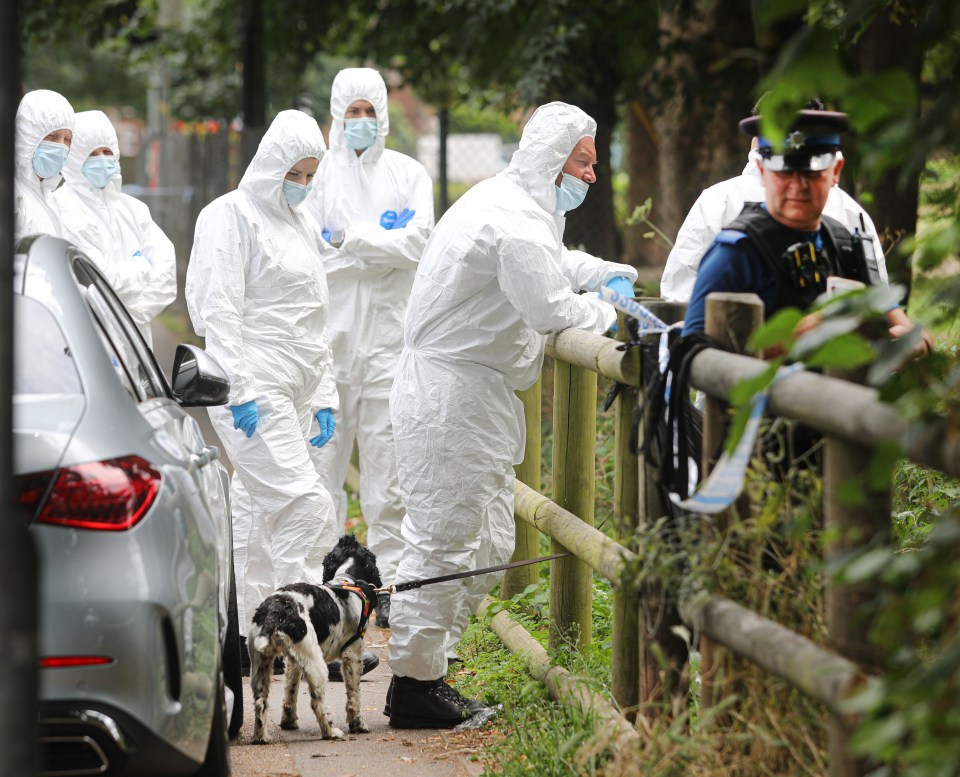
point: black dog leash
(411, 584)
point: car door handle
(210, 453)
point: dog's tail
(261, 642)
(277, 621)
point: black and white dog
(313, 625)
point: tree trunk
(644, 171)
(699, 94)
(254, 57)
(884, 46)
(698, 89)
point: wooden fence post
(661, 659)
(515, 581)
(625, 637)
(849, 525)
(574, 468)
(730, 318)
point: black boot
(474, 705)
(426, 704)
(383, 610)
(370, 662)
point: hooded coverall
(494, 280)
(720, 204)
(114, 229)
(370, 276)
(256, 291)
(40, 113)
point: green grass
(537, 736)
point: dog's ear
(373, 573)
(332, 562)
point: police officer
(784, 249)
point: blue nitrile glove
(325, 234)
(388, 218)
(246, 417)
(622, 285)
(327, 425)
(404, 218)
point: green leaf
(740, 417)
(741, 397)
(830, 328)
(747, 388)
(776, 331)
(883, 460)
(847, 350)
(866, 566)
(893, 354)
(877, 736)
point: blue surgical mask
(100, 170)
(295, 192)
(359, 134)
(49, 157)
(571, 192)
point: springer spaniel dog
(313, 625)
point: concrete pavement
(384, 751)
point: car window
(135, 365)
(42, 361)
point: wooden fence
(853, 421)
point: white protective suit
(494, 280)
(114, 229)
(256, 291)
(370, 277)
(40, 113)
(721, 204)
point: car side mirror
(198, 378)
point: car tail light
(57, 662)
(111, 495)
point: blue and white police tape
(725, 482)
(647, 322)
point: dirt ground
(384, 751)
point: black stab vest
(800, 280)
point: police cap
(811, 143)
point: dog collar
(349, 585)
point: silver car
(129, 510)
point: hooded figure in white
(40, 113)
(113, 228)
(370, 276)
(494, 280)
(256, 291)
(720, 204)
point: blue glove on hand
(325, 234)
(622, 285)
(246, 417)
(327, 425)
(388, 218)
(404, 218)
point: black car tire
(231, 659)
(216, 762)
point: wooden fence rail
(852, 418)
